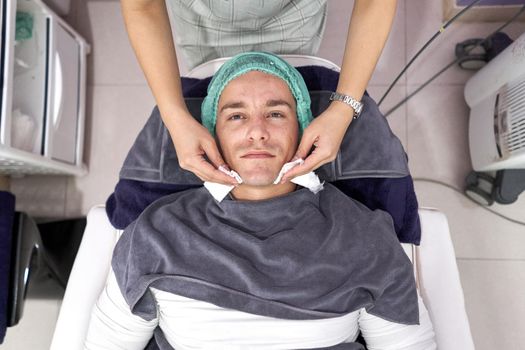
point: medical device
(496, 97)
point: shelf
(16, 162)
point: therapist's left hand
(324, 134)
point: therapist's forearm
(149, 31)
(367, 34)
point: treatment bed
(431, 252)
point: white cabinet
(43, 78)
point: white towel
(219, 191)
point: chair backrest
(209, 68)
(434, 265)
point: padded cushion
(7, 214)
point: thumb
(306, 144)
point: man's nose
(258, 130)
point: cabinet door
(24, 74)
(63, 112)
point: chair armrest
(439, 283)
(86, 281)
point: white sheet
(192, 324)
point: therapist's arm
(370, 25)
(368, 31)
(149, 30)
(113, 326)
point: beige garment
(208, 29)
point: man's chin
(258, 182)
(258, 179)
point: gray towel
(297, 256)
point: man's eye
(236, 117)
(276, 115)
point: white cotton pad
(231, 173)
(310, 180)
(287, 167)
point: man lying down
(270, 266)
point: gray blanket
(298, 256)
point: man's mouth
(257, 155)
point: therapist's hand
(324, 135)
(193, 142)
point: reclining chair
(434, 264)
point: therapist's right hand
(193, 144)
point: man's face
(257, 126)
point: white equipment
(496, 97)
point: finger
(207, 172)
(214, 156)
(212, 152)
(312, 162)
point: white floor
(432, 126)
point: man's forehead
(271, 102)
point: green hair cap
(256, 61)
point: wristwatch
(349, 100)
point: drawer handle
(58, 91)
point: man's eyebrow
(269, 103)
(275, 103)
(236, 104)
